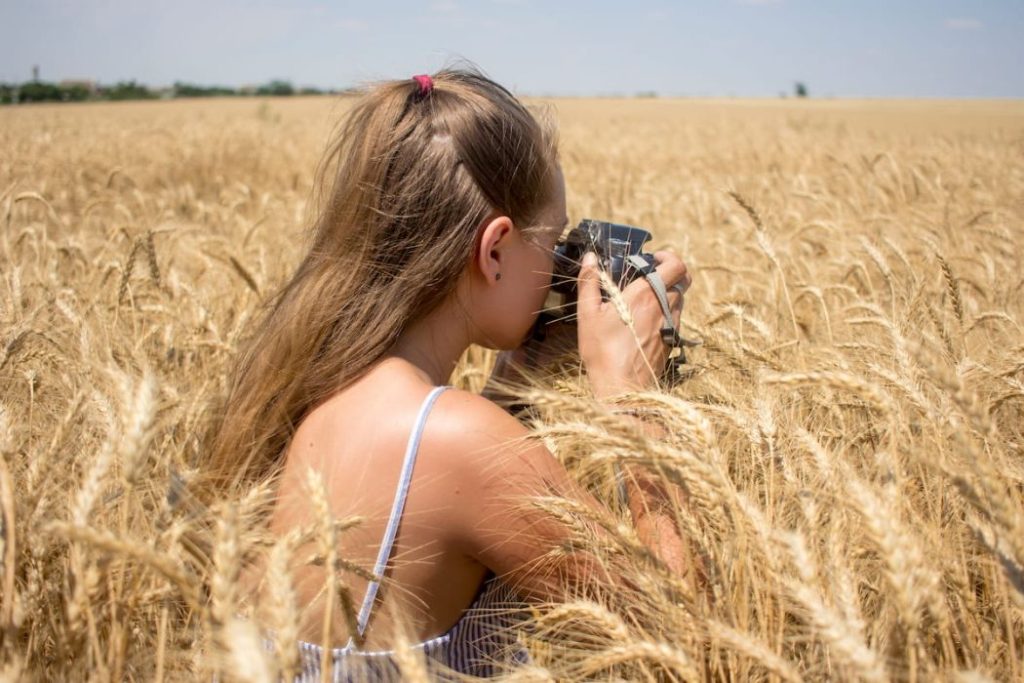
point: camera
(620, 254)
(613, 243)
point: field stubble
(850, 440)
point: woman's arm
(618, 360)
(653, 504)
(498, 472)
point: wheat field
(849, 438)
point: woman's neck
(434, 344)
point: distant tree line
(84, 91)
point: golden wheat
(849, 439)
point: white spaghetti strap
(396, 509)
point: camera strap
(670, 330)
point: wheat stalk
(886, 431)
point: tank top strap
(405, 478)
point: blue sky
(845, 48)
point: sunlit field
(850, 434)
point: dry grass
(850, 439)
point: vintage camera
(619, 249)
(613, 243)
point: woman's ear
(495, 236)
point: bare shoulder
(486, 450)
(498, 470)
(471, 415)
(469, 424)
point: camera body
(612, 242)
(620, 254)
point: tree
(276, 88)
(129, 90)
(182, 89)
(800, 89)
(75, 92)
(39, 91)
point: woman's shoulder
(493, 469)
(466, 418)
(477, 439)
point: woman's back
(356, 442)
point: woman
(445, 202)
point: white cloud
(963, 24)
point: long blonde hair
(405, 183)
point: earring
(497, 276)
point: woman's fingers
(677, 289)
(610, 350)
(672, 270)
(673, 273)
(676, 298)
(588, 298)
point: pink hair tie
(426, 84)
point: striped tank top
(481, 643)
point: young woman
(445, 201)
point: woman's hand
(619, 359)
